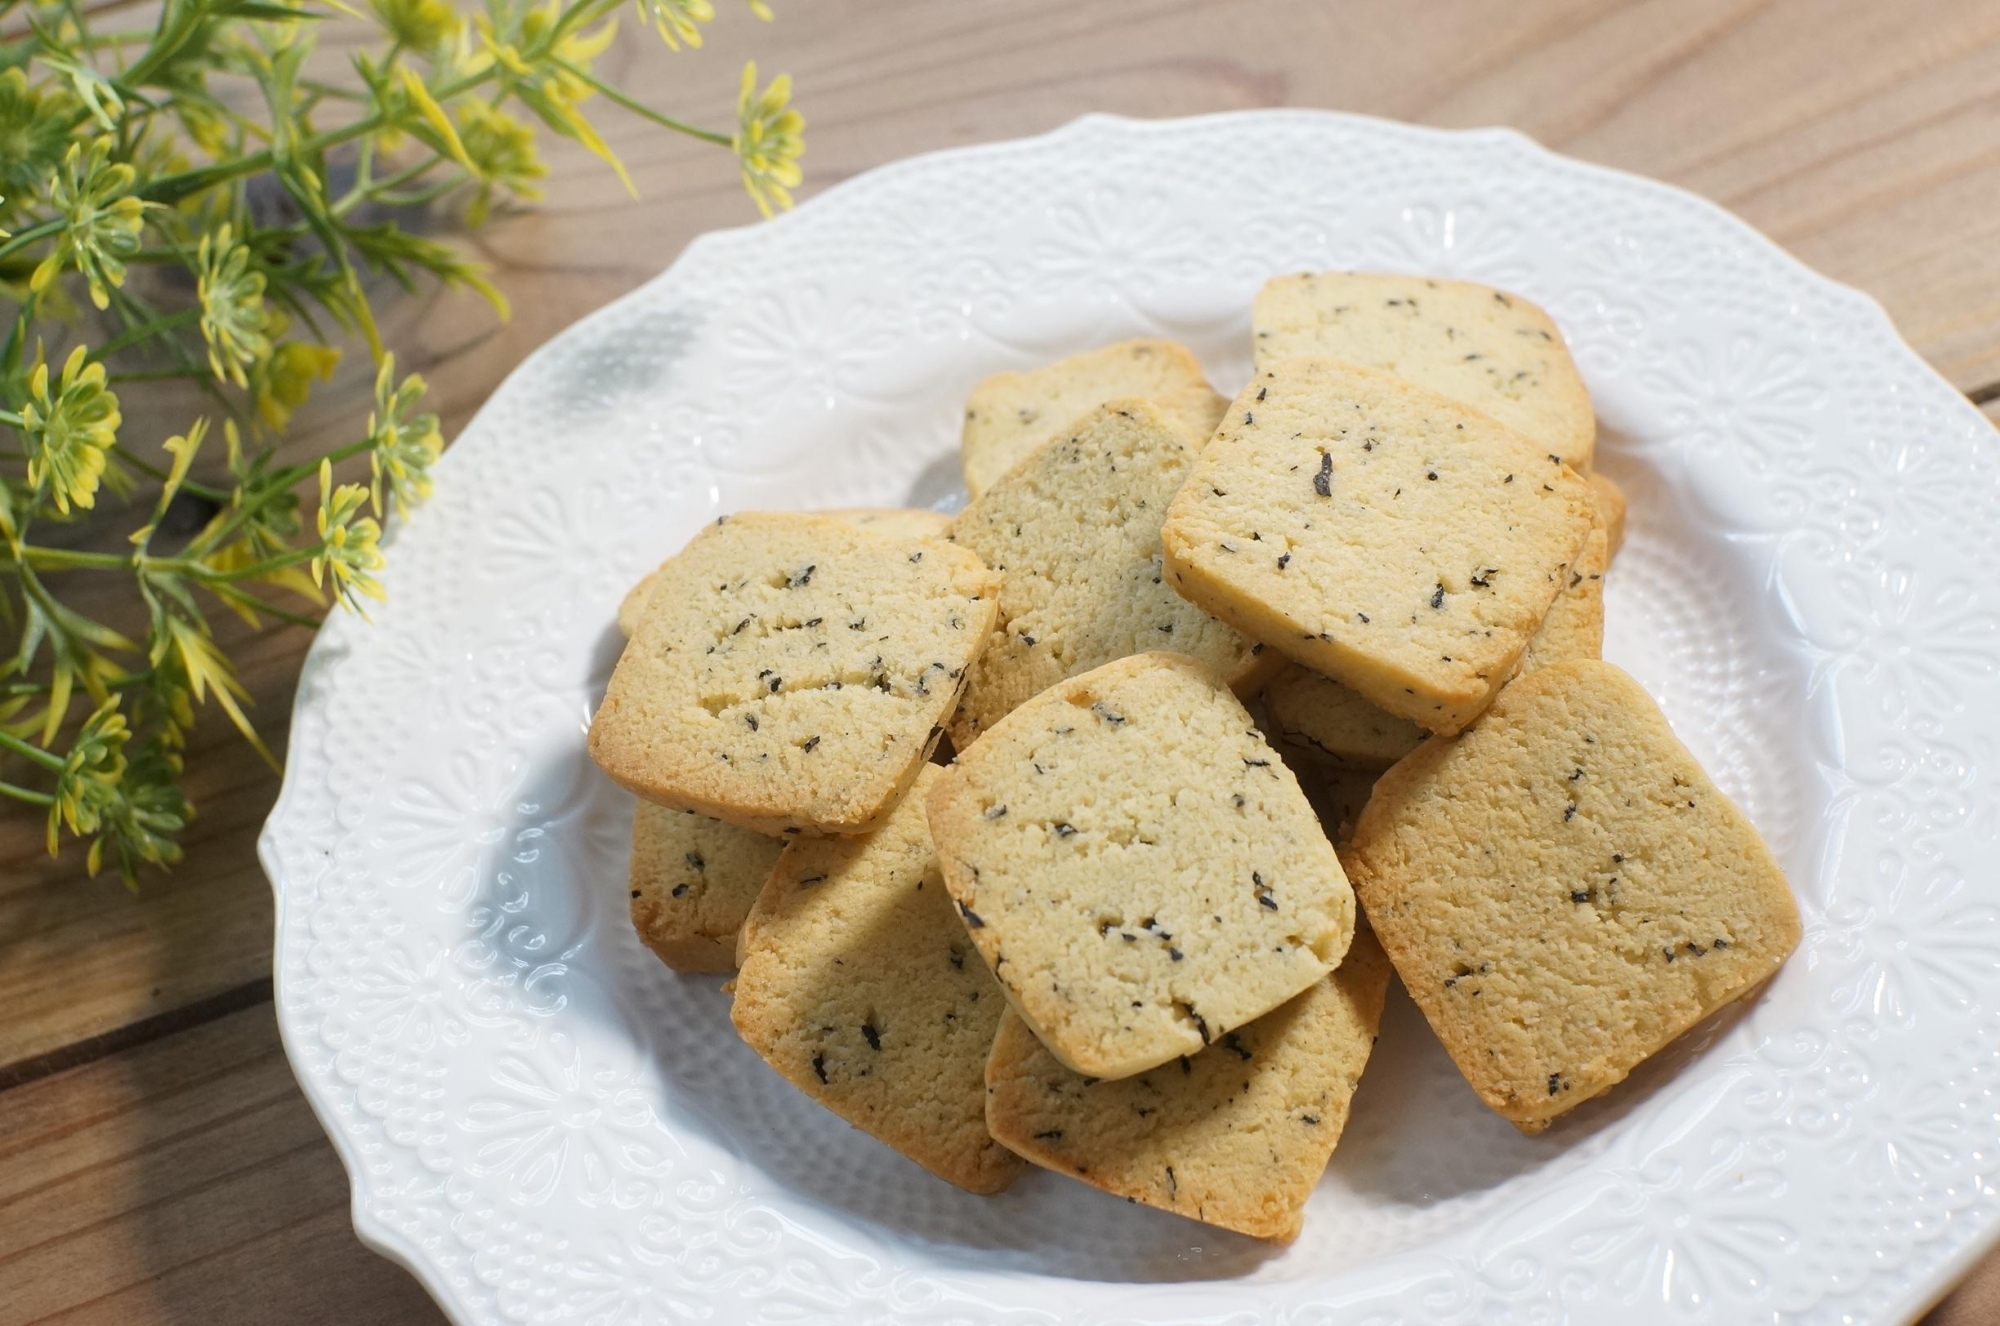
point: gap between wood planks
(134, 1034)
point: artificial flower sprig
(185, 201)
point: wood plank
(186, 1181)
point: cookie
(913, 521)
(1316, 711)
(1383, 535)
(791, 672)
(1236, 1136)
(1610, 509)
(1010, 414)
(1574, 627)
(693, 881)
(1074, 531)
(860, 987)
(1137, 866)
(1493, 350)
(1564, 891)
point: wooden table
(157, 1162)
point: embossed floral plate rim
(1764, 455)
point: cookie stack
(1181, 648)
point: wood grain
(185, 1182)
(184, 1179)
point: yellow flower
(770, 138)
(348, 553)
(421, 25)
(678, 21)
(405, 445)
(101, 221)
(502, 150)
(70, 431)
(232, 305)
(90, 774)
(282, 382)
(761, 10)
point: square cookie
(1236, 1136)
(791, 672)
(1574, 627)
(912, 521)
(859, 986)
(693, 881)
(1385, 536)
(1074, 532)
(1138, 868)
(1493, 350)
(1564, 891)
(1333, 719)
(1010, 414)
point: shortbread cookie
(1610, 509)
(1564, 891)
(792, 672)
(1137, 866)
(1236, 1136)
(1383, 535)
(859, 986)
(1574, 627)
(1320, 712)
(1074, 531)
(1493, 350)
(693, 881)
(1010, 414)
(914, 522)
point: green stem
(47, 759)
(640, 108)
(26, 237)
(144, 333)
(279, 484)
(365, 190)
(242, 597)
(71, 559)
(172, 188)
(9, 417)
(28, 795)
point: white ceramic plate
(545, 1124)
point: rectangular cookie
(1611, 510)
(1236, 1136)
(913, 521)
(792, 672)
(1009, 415)
(1138, 868)
(693, 881)
(1333, 719)
(1564, 891)
(1385, 536)
(1493, 350)
(858, 985)
(1574, 627)
(1074, 531)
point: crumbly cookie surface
(1236, 1136)
(792, 672)
(1137, 866)
(693, 880)
(1493, 350)
(914, 522)
(859, 986)
(1074, 533)
(1009, 415)
(1382, 535)
(1564, 891)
